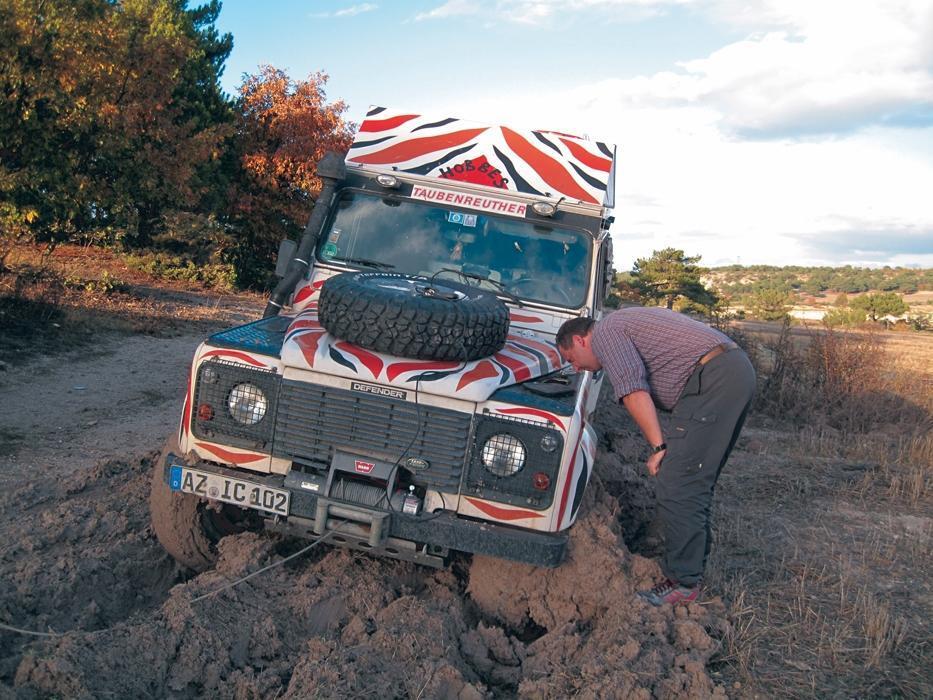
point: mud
(79, 560)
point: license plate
(238, 492)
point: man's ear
(582, 341)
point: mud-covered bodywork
(411, 457)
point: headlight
(503, 454)
(247, 404)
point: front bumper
(425, 539)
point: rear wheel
(188, 527)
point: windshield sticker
(456, 217)
(330, 250)
(334, 235)
(473, 201)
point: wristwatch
(659, 448)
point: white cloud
(682, 182)
(809, 141)
(451, 8)
(351, 11)
(540, 11)
(355, 10)
(833, 66)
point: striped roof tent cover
(546, 164)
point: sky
(776, 132)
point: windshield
(537, 263)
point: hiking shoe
(670, 592)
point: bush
(843, 316)
(880, 305)
(770, 304)
(220, 276)
(840, 380)
(920, 322)
(106, 284)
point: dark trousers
(700, 432)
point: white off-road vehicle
(403, 394)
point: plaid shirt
(651, 349)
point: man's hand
(654, 462)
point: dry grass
(824, 523)
(54, 303)
(898, 468)
(826, 604)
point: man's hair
(575, 326)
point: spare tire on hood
(409, 316)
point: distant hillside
(737, 280)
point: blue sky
(751, 131)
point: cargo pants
(700, 432)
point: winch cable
(387, 497)
(274, 564)
(31, 633)
(228, 585)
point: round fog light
(549, 442)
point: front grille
(314, 420)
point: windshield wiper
(483, 278)
(375, 264)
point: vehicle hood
(526, 355)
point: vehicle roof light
(544, 208)
(388, 181)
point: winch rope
(32, 633)
(355, 492)
(229, 584)
(274, 564)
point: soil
(101, 611)
(81, 431)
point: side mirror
(608, 272)
(287, 250)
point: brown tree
(283, 128)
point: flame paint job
(308, 346)
(231, 456)
(500, 512)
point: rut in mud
(79, 560)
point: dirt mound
(328, 623)
(595, 637)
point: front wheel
(188, 527)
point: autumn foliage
(283, 128)
(114, 130)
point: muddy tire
(409, 316)
(187, 527)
